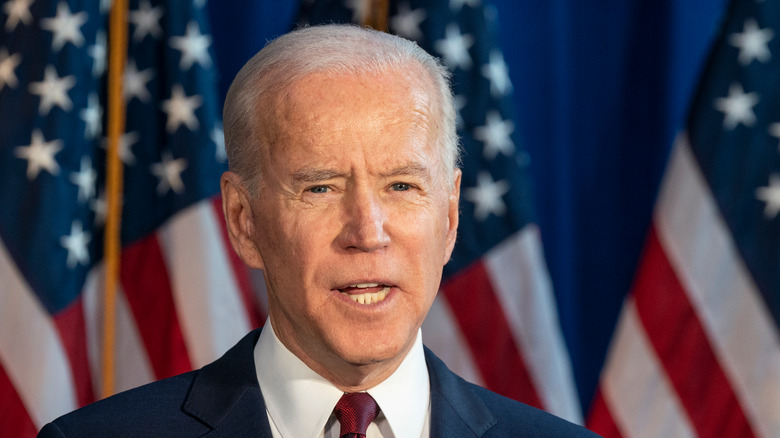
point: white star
(169, 172)
(406, 22)
(737, 107)
(65, 26)
(53, 91)
(218, 137)
(194, 47)
(495, 134)
(92, 116)
(85, 179)
(126, 142)
(146, 20)
(105, 6)
(40, 155)
(76, 244)
(98, 53)
(752, 42)
(181, 109)
(100, 208)
(200, 4)
(454, 47)
(8, 66)
(774, 131)
(457, 5)
(360, 9)
(459, 102)
(771, 196)
(17, 10)
(498, 75)
(135, 82)
(486, 196)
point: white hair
(331, 49)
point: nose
(364, 224)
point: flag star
(146, 20)
(53, 90)
(169, 173)
(194, 47)
(65, 26)
(99, 206)
(771, 196)
(17, 11)
(497, 73)
(98, 53)
(200, 4)
(360, 9)
(454, 47)
(218, 137)
(181, 109)
(496, 135)
(40, 155)
(737, 107)
(85, 179)
(135, 82)
(752, 42)
(126, 142)
(105, 6)
(457, 5)
(487, 196)
(406, 22)
(92, 116)
(8, 64)
(774, 131)
(76, 244)
(459, 102)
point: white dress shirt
(299, 402)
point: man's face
(355, 217)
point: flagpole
(114, 180)
(377, 14)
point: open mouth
(366, 293)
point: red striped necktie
(355, 411)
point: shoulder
(129, 412)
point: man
(344, 190)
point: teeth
(369, 298)
(364, 285)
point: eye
(319, 189)
(400, 187)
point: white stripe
(635, 388)
(721, 289)
(31, 350)
(132, 365)
(522, 284)
(208, 300)
(442, 334)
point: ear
(237, 208)
(453, 214)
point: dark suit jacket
(224, 399)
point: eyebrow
(416, 169)
(310, 175)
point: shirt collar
(300, 401)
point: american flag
(184, 298)
(697, 348)
(495, 321)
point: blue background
(601, 90)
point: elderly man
(344, 190)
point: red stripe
(240, 271)
(488, 335)
(600, 419)
(73, 335)
(147, 287)
(683, 348)
(14, 419)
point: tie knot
(355, 411)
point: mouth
(366, 293)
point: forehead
(323, 113)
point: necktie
(355, 411)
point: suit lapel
(225, 394)
(455, 410)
